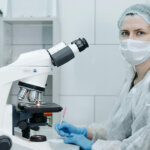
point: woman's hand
(66, 129)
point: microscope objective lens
(22, 93)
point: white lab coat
(128, 127)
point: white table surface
(54, 139)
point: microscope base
(19, 143)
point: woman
(129, 124)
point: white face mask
(135, 52)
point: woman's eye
(140, 33)
(125, 33)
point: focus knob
(22, 125)
(5, 143)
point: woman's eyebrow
(134, 30)
(138, 29)
(124, 30)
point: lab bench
(55, 141)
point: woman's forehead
(134, 22)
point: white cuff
(99, 131)
(106, 145)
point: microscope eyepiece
(63, 53)
(82, 44)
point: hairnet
(142, 10)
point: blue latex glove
(79, 140)
(65, 129)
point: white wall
(2, 3)
(90, 84)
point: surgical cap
(142, 10)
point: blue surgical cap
(142, 10)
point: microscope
(31, 70)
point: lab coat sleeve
(138, 141)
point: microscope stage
(32, 108)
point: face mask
(135, 52)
